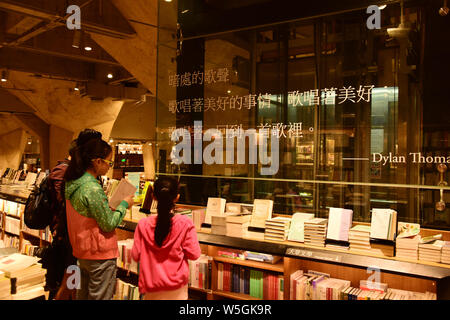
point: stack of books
(237, 225)
(431, 251)
(219, 225)
(445, 254)
(277, 229)
(359, 237)
(408, 248)
(315, 232)
(261, 257)
(5, 287)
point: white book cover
(31, 178)
(380, 223)
(262, 210)
(215, 207)
(297, 229)
(339, 224)
(123, 190)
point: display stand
(382, 243)
(337, 243)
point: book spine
(247, 281)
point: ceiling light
(76, 89)
(168, 0)
(87, 48)
(4, 76)
(76, 39)
(111, 141)
(110, 76)
(185, 11)
(383, 6)
(229, 91)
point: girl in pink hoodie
(163, 244)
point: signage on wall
(328, 96)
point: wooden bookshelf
(399, 273)
(233, 295)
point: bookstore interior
(311, 145)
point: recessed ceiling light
(229, 91)
(383, 6)
(87, 48)
(110, 76)
(168, 0)
(76, 89)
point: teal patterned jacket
(88, 198)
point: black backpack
(38, 209)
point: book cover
(123, 190)
(215, 207)
(262, 210)
(339, 224)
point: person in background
(163, 244)
(60, 256)
(91, 223)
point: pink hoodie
(165, 268)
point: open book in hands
(123, 190)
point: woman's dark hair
(83, 155)
(86, 135)
(166, 191)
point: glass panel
(345, 103)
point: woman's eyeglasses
(110, 163)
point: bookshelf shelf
(30, 234)
(232, 295)
(278, 267)
(200, 290)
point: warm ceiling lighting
(87, 48)
(4, 76)
(76, 39)
(110, 76)
(168, 0)
(383, 6)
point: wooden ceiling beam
(100, 17)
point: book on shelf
(124, 189)
(315, 232)
(383, 224)
(431, 252)
(200, 272)
(407, 248)
(339, 224)
(13, 264)
(262, 210)
(373, 286)
(215, 207)
(198, 217)
(261, 257)
(125, 260)
(297, 228)
(407, 230)
(126, 291)
(277, 229)
(445, 253)
(233, 208)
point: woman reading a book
(163, 244)
(91, 223)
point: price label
(313, 255)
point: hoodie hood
(74, 185)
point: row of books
(248, 255)
(391, 294)
(12, 225)
(10, 241)
(12, 208)
(126, 291)
(33, 232)
(200, 272)
(12, 176)
(46, 235)
(256, 283)
(28, 248)
(125, 260)
(314, 285)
